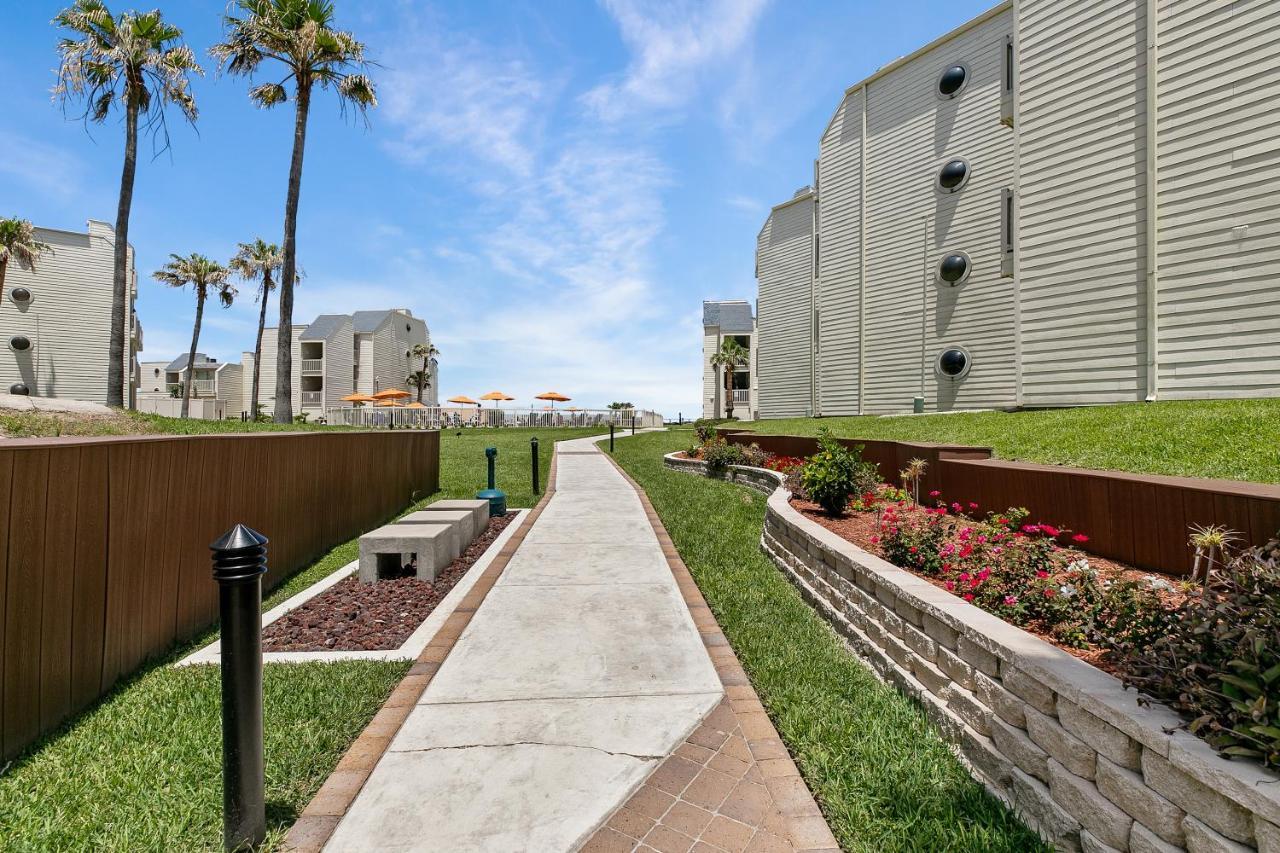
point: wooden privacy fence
(104, 558)
(1140, 519)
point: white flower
(1080, 565)
(1067, 589)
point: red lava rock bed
(351, 616)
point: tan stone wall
(1064, 743)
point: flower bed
(1091, 764)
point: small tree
(419, 379)
(259, 261)
(18, 241)
(136, 60)
(204, 276)
(730, 356)
(426, 352)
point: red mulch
(351, 616)
(860, 527)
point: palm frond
(18, 241)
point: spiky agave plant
(1210, 542)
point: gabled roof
(730, 315)
(368, 321)
(202, 360)
(324, 327)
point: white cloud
(672, 42)
(746, 204)
(45, 168)
(461, 95)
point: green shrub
(1217, 658)
(705, 428)
(720, 454)
(835, 472)
(755, 456)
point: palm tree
(139, 61)
(731, 356)
(254, 261)
(18, 241)
(426, 352)
(299, 34)
(205, 276)
(419, 378)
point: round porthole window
(954, 268)
(952, 80)
(19, 388)
(953, 363)
(953, 175)
(20, 295)
(20, 343)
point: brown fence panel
(104, 559)
(1143, 520)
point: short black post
(611, 437)
(239, 561)
(633, 424)
(533, 446)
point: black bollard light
(533, 446)
(633, 424)
(610, 437)
(239, 561)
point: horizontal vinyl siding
(1219, 160)
(911, 133)
(1081, 199)
(839, 227)
(68, 319)
(784, 270)
(710, 342)
(339, 357)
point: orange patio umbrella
(357, 398)
(553, 396)
(395, 403)
(391, 394)
(416, 405)
(497, 396)
(464, 400)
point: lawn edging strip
(312, 830)
(737, 739)
(412, 646)
(1086, 761)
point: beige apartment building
(57, 319)
(1058, 203)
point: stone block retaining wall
(1063, 742)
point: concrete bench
(461, 522)
(392, 546)
(479, 508)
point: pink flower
(912, 549)
(984, 574)
(934, 493)
(1050, 592)
(968, 596)
(972, 506)
(1010, 600)
(875, 540)
(1030, 528)
(1049, 530)
(1042, 574)
(955, 507)
(1080, 537)
(964, 576)
(951, 586)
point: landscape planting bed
(354, 616)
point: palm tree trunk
(728, 391)
(120, 275)
(191, 356)
(257, 347)
(284, 344)
(4, 268)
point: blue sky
(553, 185)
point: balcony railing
(742, 395)
(313, 365)
(311, 398)
(202, 386)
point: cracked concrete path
(579, 673)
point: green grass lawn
(142, 769)
(1230, 439)
(884, 777)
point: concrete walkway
(579, 673)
